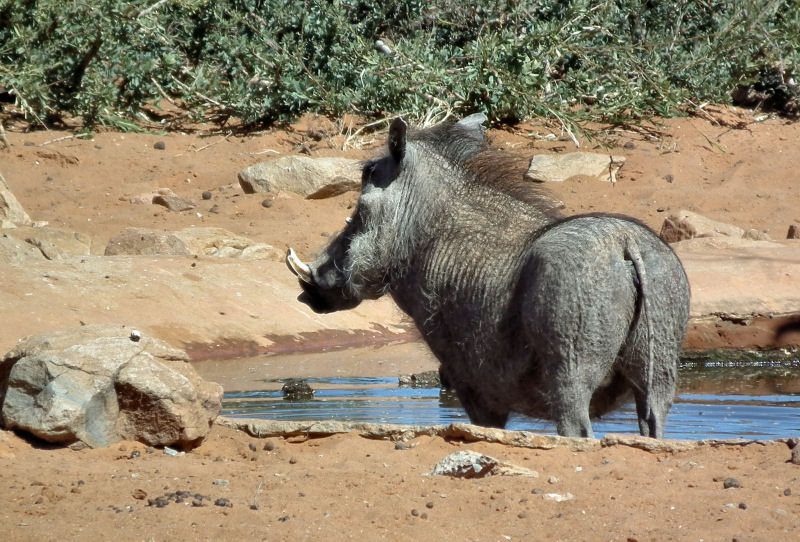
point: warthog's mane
(498, 170)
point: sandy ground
(727, 165)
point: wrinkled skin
(527, 312)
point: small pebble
(159, 145)
(731, 483)
(787, 492)
(206, 194)
(414, 512)
(226, 503)
(252, 447)
(269, 446)
(220, 482)
(742, 506)
(267, 203)
(629, 145)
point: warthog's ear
(473, 124)
(397, 138)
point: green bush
(267, 61)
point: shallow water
(716, 399)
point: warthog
(529, 312)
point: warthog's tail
(642, 311)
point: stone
(560, 167)
(10, 208)
(219, 242)
(426, 379)
(469, 464)
(309, 177)
(96, 386)
(685, 225)
(794, 232)
(14, 251)
(146, 242)
(202, 241)
(54, 243)
(756, 235)
(173, 203)
(297, 390)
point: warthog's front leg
(478, 411)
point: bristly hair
(501, 170)
(505, 171)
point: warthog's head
(393, 214)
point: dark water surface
(751, 398)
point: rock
(560, 167)
(222, 243)
(14, 251)
(54, 243)
(146, 242)
(94, 385)
(469, 464)
(201, 241)
(729, 483)
(756, 235)
(147, 197)
(558, 497)
(794, 232)
(10, 208)
(688, 225)
(173, 203)
(427, 379)
(297, 390)
(309, 177)
(649, 444)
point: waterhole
(754, 396)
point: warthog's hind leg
(652, 407)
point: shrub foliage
(267, 61)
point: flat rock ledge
(262, 428)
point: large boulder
(103, 383)
(312, 178)
(11, 212)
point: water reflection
(716, 399)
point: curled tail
(642, 311)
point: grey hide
(527, 311)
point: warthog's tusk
(297, 267)
(349, 219)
